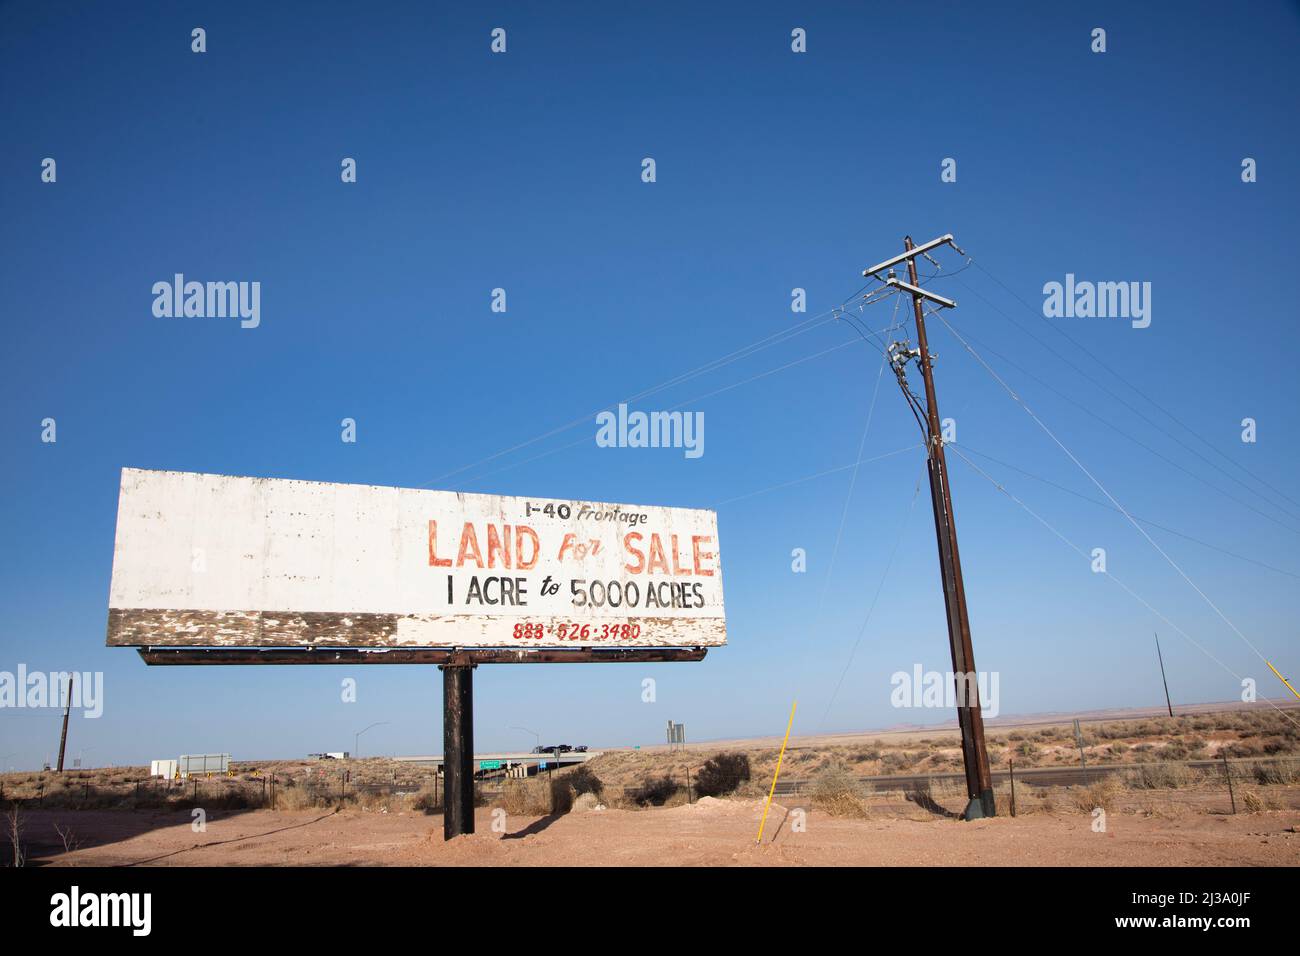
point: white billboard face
(216, 561)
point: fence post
(1227, 772)
(688, 785)
(1011, 763)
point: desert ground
(1155, 792)
(710, 832)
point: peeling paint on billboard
(217, 561)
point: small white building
(162, 768)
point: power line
(848, 498)
(875, 598)
(820, 474)
(1146, 521)
(689, 401)
(1137, 441)
(776, 338)
(1041, 520)
(1150, 401)
(1102, 488)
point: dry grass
(1102, 793)
(838, 791)
(1166, 776)
(1251, 801)
(380, 784)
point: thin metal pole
(1227, 772)
(975, 757)
(1160, 657)
(63, 738)
(1011, 764)
(458, 749)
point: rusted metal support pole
(63, 738)
(458, 749)
(975, 757)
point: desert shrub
(583, 780)
(1275, 772)
(894, 762)
(838, 792)
(1174, 750)
(426, 801)
(1252, 801)
(1119, 748)
(233, 798)
(1243, 748)
(1101, 793)
(294, 798)
(722, 774)
(655, 791)
(561, 795)
(1026, 749)
(1160, 777)
(531, 797)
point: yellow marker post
(1282, 679)
(762, 823)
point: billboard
(217, 561)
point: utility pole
(63, 737)
(1164, 680)
(975, 757)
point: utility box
(202, 765)
(162, 768)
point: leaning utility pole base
(981, 808)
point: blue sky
(775, 170)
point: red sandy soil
(707, 833)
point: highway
(563, 759)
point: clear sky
(775, 170)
